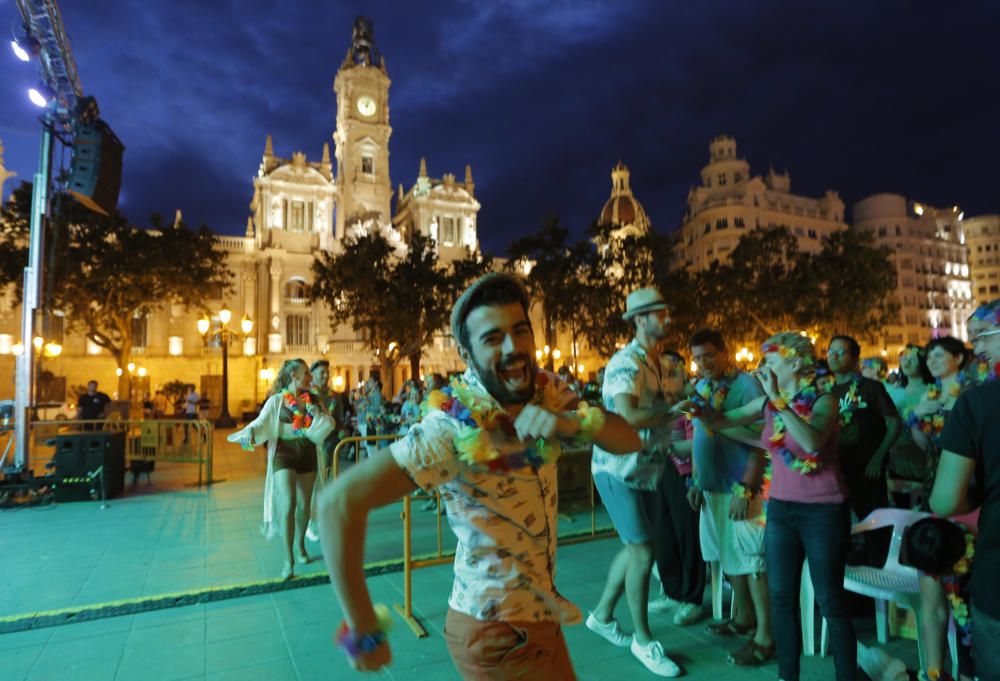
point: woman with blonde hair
(291, 458)
(807, 513)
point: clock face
(366, 106)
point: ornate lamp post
(225, 336)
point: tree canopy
(106, 272)
(396, 301)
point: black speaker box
(80, 454)
(96, 171)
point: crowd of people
(756, 472)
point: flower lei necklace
(485, 425)
(802, 405)
(711, 393)
(953, 584)
(931, 425)
(851, 401)
(301, 419)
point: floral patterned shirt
(632, 372)
(506, 523)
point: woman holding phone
(807, 515)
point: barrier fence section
(165, 440)
(576, 458)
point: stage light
(19, 51)
(37, 98)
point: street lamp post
(225, 335)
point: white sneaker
(655, 659)
(662, 603)
(311, 531)
(611, 631)
(687, 613)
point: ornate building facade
(982, 237)
(299, 207)
(730, 201)
(934, 289)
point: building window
(296, 291)
(756, 201)
(812, 234)
(737, 177)
(297, 330)
(799, 231)
(56, 330)
(738, 221)
(882, 231)
(447, 230)
(722, 223)
(297, 216)
(722, 180)
(368, 165)
(708, 227)
(139, 328)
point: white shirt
(632, 372)
(506, 523)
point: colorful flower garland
(953, 585)
(786, 352)
(483, 420)
(851, 401)
(711, 394)
(931, 425)
(802, 405)
(301, 419)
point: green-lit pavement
(167, 538)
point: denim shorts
(631, 510)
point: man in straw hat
(634, 388)
(488, 443)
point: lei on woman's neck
(709, 393)
(802, 404)
(485, 424)
(301, 419)
(851, 401)
(932, 424)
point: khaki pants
(497, 651)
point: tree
(555, 275)
(856, 283)
(619, 264)
(107, 272)
(398, 302)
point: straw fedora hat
(643, 300)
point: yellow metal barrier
(166, 440)
(357, 452)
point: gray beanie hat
(461, 309)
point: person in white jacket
(291, 458)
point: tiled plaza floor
(167, 537)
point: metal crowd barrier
(166, 440)
(405, 610)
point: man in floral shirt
(634, 387)
(489, 443)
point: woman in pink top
(807, 514)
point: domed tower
(724, 169)
(622, 208)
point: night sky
(542, 98)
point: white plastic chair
(892, 582)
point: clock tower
(362, 135)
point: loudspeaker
(96, 172)
(80, 454)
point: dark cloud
(542, 98)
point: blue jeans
(985, 634)
(820, 533)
